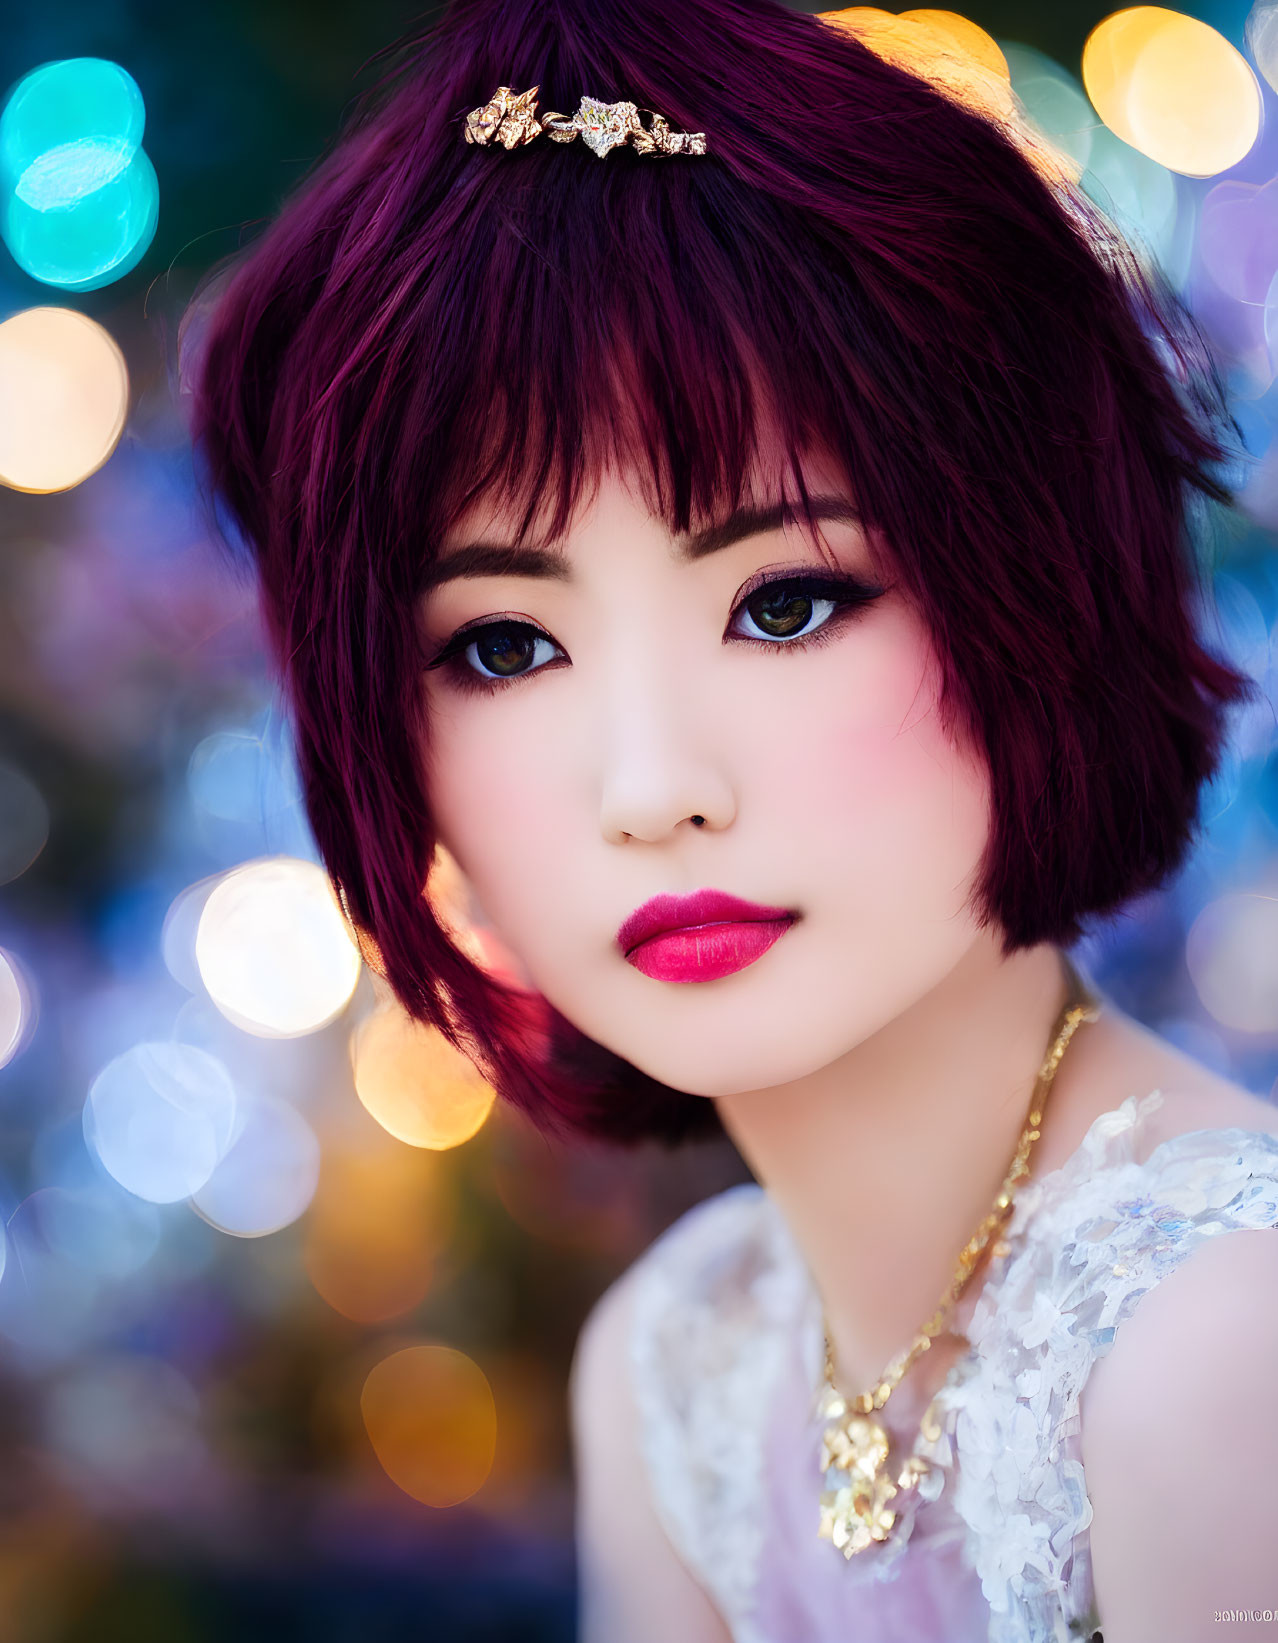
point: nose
(660, 771)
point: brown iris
(505, 651)
(780, 610)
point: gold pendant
(857, 1514)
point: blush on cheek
(881, 725)
(506, 817)
(908, 798)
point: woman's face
(651, 680)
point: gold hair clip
(510, 118)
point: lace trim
(720, 1293)
(1094, 1236)
(718, 1276)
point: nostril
(698, 821)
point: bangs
(602, 317)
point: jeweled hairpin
(510, 118)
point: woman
(738, 499)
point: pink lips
(699, 937)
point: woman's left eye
(796, 607)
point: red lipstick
(699, 937)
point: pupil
(505, 651)
(781, 613)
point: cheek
(501, 802)
(885, 804)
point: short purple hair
(1025, 413)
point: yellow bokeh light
(380, 1216)
(414, 1083)
(1174, 88)
(273, 948)
(956, 55)
(969, 37)
(960, 59)
(432, 1421)
(64, 396)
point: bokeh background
(287, 1306)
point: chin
(733, 1065)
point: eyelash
(846, 594)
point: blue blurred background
(287, 1305)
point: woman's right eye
(493, 653)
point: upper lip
(663, 913)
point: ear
(458, 909)
(458, 913)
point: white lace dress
(726, 1355)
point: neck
(884, 1163)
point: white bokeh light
(17, 1007)
(64, 396)
(177, 938)
(273, 949)
(1231, 953)
(268, 1177)
(161, 1117)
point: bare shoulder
(1190, 1376)
(633, 1585)
(1204, 1337)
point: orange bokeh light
(1174, 88)
(414, 1083)
(432, 1421)
(961, 60)
(381, 1214)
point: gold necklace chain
(857, 1513)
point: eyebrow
(504, 559)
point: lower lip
(704, 952)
